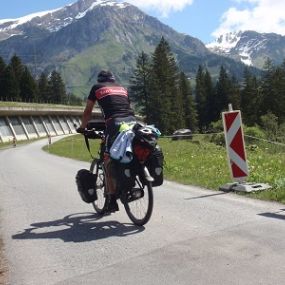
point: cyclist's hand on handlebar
(80, 130)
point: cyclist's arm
(87, 113)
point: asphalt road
(195, 236)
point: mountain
(89, 35)
(53, 20)
(250, 47)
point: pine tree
(2, 71)
(139, 88)
(28, 87)
(209, 91)
(282, 95)
(57, 88)
(277, 96)
(266, 87)
(10, 86)
(189, 107)
(2, 65)
(166, 101)
(43, 88)
(234, 96)
(222, 90)
(201, 98)
(17, 67)
(250, 99)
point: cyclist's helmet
(147, 135)
(105, 76)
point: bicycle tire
(98, 169)
(134, 206)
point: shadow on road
(80, 227)
(278, 215)
(206, 196)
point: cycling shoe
(111, 204)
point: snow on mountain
(250, 47)
(53, 20)
(99, 3)
(225, 43)
(13, 23)
(236, 45)
(245, 58)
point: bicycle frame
(133, 195)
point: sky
(203, 19)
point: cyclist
(114, 102)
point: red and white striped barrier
(235, 145)
(237, 155)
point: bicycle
(137, 194)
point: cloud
(264, 16)
(164, 7)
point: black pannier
(155, 166)
(124, 174)
(86, 186)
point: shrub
(216, 127)
(255, 131)
(252, 136)
(269, 123)
(218, 139)
(281, 133)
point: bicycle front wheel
(138, 202)
(98, 169)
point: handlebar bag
(86, 185)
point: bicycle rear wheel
(98, 169)
(138, 202)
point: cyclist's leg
(111, 188)
(112, 130)
(111, 199)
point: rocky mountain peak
(224, 43)
(53, 20)
(250, 47)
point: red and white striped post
(235, 145)
(237, 155)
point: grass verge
(201, 163)
(19, 143)
(37, 105)
(3, 266)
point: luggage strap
(88, 146)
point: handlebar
(91, 133)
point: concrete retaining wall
(25, 123)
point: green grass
(37, 105)
(19, 143)
(73, 147)
(201, 163)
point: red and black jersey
(112, 98)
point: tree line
(164, 96)
(18, 84)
